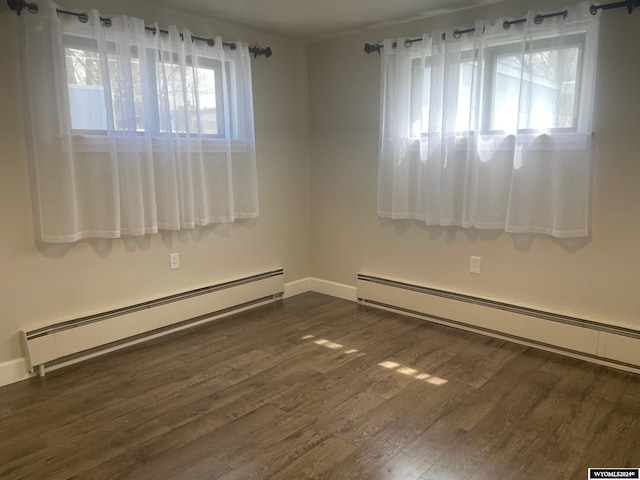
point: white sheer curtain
(491, 129)
(130, 130)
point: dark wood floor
(316, 387)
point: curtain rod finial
(261, 51)
(370, 48)
(19, 5)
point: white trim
(13, 371)
(325, 287)
(340, 290)
(297, 287)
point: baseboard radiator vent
(611, 345)
(94, 334)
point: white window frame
(548, 43)
(87, 44)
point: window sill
(106, 143)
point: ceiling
(308, 19)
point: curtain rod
(538, 19)
(19, 5)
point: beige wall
(43, 284)
(596, 279)
(335, 99)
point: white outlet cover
(174, 261)
(475, 264)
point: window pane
(86, 91)
(87, 102)
(545, 97)
(192, 99)
(126, 91)
(462, 101)
(463, 117)
(207, 101)
(426, 97)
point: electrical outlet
(475, 264)
(174, 261)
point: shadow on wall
(522, 242)
(102, 246)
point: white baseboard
(13, 371)
(339, 290)
(311, 284)
(297, 287)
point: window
(491, 128)
(534, 89)
(545, 78)
(200, 90)
(421, 96)
(134, 130)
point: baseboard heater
(602, 343)
(94, 334)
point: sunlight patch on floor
(388, 364)
(328, 344)
(412, 372)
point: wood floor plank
(514, 408)
(19, 426)
(419, 405)
(319, 387)
(313, 463)
(616, 442)
(493, 431)
(62, 461)
(563, 450)
(25, 446)
(235, 401)
(392, 426)
(190, 461)
(534, 433)
(463, 457)
(417, 457)
(481, 402)
(325, 423)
